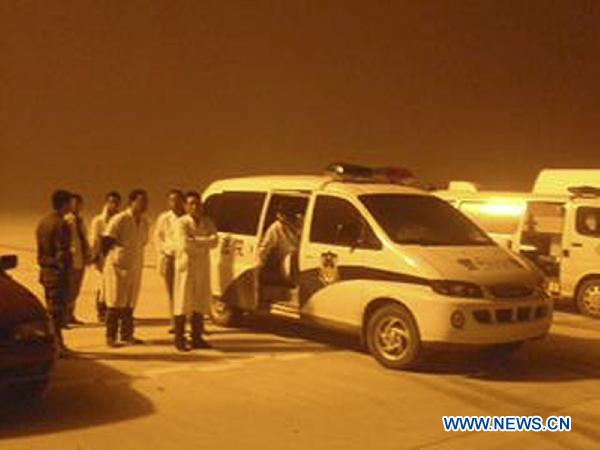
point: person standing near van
(123, 242)
(165, 241)
(80, 254)
(196, 234)
(112, 204)
(54, 258)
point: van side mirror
(8, 262)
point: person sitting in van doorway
(165, 241)
(280, 244)
(80, 254)
(54, 258)
(196, 234)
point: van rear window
(236, 212)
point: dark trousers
(74, 282)
(56, 289)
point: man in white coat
(124, 240)
(165, 241)
(112, 204)
(196, 235)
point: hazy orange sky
(116, 94)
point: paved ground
(279, 386)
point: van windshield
(423, 220)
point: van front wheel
(588, 298)
(393, 337)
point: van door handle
(576, 244)
(566, 253)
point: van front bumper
(485, 322)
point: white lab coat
(192, 265)
(97, 228)
(125, 261)
(165, 239)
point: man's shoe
(113, 343)
(64, 352)
(133, 341)
(200, 343)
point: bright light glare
(503, 209)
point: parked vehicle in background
(27, 346)
(392, 264)
(562, 237)
(558, 228)
(497, 213)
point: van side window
(336, 221)
(235, 212)
(588, 221)
(294, 203)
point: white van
(393, 264)
(561, 235)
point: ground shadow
(83, 393)
(558, 358)
(292, 329)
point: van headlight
(31, 331)
(457, 288)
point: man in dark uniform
(54, 258)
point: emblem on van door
(329, 270)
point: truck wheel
(393, 337)
(588, 298)
(224, 314)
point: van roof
(307, 183)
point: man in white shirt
(280, 242)
(124, 240)
(165, 241)
(112, 204)
(196, 235)
(80, 254)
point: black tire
(224, 314)
(587, 299)
(392, 337)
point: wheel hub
(392, 338)
(591, 299)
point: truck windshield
(423, 220)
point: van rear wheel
(393, 337)
(224, 314)
(588, 298)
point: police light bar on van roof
(584, 191)
(356, 173)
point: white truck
(557, 226)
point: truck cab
(561, 235)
